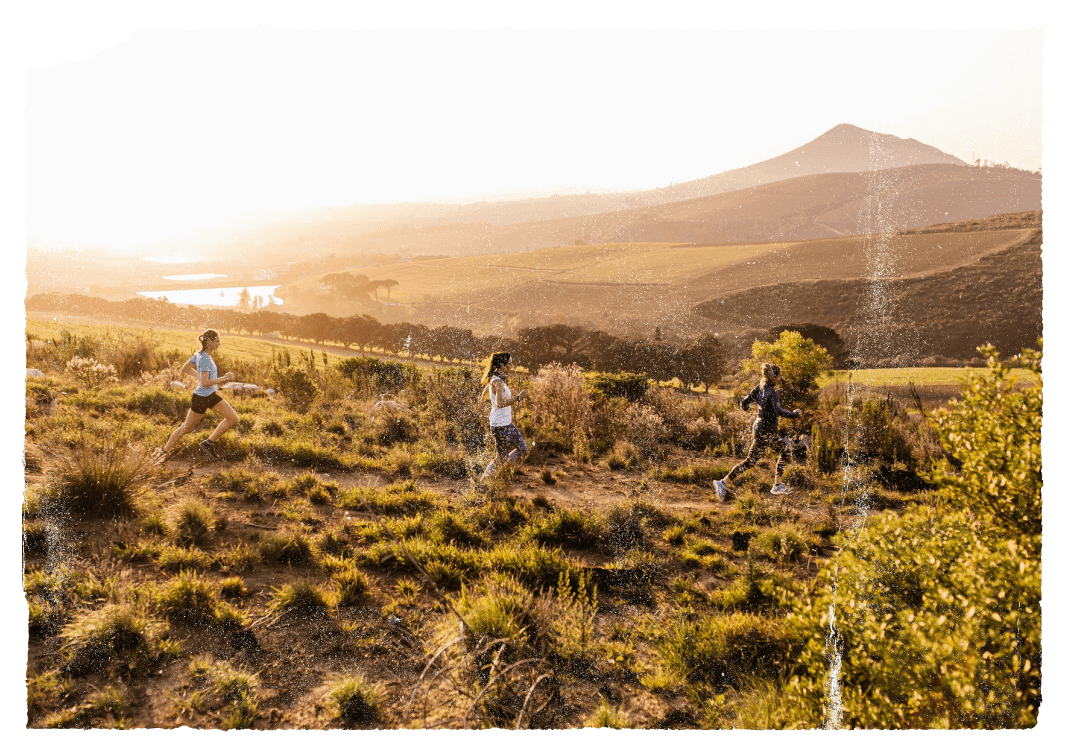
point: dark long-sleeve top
(769, 408)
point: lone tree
(826, 337)
(801, 362)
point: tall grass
(102, 478)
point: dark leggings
(507, 438)
(761, 443)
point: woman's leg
(498, 459)
(191, 419)
(229, 420)
(757, 449)
(520, 448)
(783, 449)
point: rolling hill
(684, 290)
(996, 298)
(470, 227)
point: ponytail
(495, 363)
(208, 336)
(770, 374)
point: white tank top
(499, 416)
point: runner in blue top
(764, 431)
(205, 396)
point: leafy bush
(192, 523)
(296, 385)
(95, 638)
(801, 362)
(374, 375)
(932, 618)
(646, 431)
(624, 384)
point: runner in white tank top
(510, 444)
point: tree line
(702, 360)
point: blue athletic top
(769, 408)
(203, 362)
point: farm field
(921, 376)
(689, 271)
(665, 282)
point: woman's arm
(502, 402)
(780, 408)
(207, 382)
(189, 369)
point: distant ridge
(843, 149)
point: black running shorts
(200, 403)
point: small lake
(213, 296)
(204, 276)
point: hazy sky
(168, 131)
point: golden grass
(723, 267)
(234, 346)
(921, 376)
(666, 263)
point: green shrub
(233, 588)
(102, 478)
(825, 451)
(801, 362)
(289, 547)
(623, 384)
(295, 385)
(932, 618)
(724, 650)
(180, 558)
(375, 375)
(355, 700)
(797, 477)
(352, 586)
(606, 716)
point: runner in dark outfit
(764, 430)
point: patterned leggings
(508, 440)
(759, 445)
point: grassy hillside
(637, 287)
(336, 569)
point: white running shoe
(779, 488)
(719, 487)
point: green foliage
(296, 385)
(571, 528)
(825, 451)
(624, 384)
(192, 523)
(352, 586)
(355, 700)
(934, 615)
(801, 362)
(101, 479)
(606, 716)
(290, 547)
(374, 375)
(994, 430)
